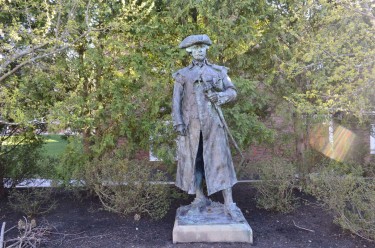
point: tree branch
(367, 13)
(9, 73)
(20, 55)
(4, 75)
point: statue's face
(198, 51)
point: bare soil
(83, 223)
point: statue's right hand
(181, 130)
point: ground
(82, 223)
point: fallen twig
(30, 235)
(67, 234)
(96, 236)
(2, 235)
(306, 229)
(10, 229)
(64, 239)
(64, 235)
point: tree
(108, 75)
(119, 79)
(333, 62)
(96, 78)
(332, 65)
(30, 33)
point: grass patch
(54, 145)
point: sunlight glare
(337, 148)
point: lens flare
(336, 145)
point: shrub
(32, 202)
(128, 187)
(350, 196)
(163, 145)
(275, 191)
(47, 166)
(71, 165)
(20, 161)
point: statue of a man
(203, 149)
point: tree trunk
(301, 131)
(86, 142)
(2, 188)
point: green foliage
(32, 32)
(109, 99)
(244, 116)
(103, 68)
(340, 168)
(47, 167)
(332, 67)
(350, 197)
(32, 202)
(275, 190)
(20, 160)
(112, 83)
(163, 144)
(116, 87)
(128, 187)
(72, 163)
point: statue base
(210, 224)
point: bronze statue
(203, 146)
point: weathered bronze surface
(203, 148)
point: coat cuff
(226, 96)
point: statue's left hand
(213, 97)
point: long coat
(192, 108)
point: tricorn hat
(195, 39)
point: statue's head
(196, 45)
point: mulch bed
(82, 223)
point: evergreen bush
(350, 196)
(32, 201)
(20, 160)
(275, 191)
(128, 186)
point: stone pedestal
(210, 224)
